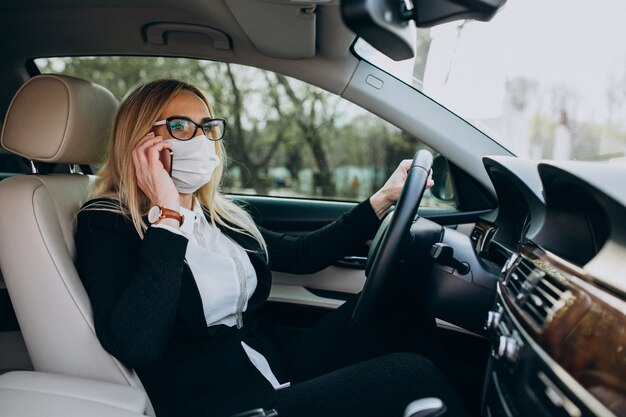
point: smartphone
(167, 159)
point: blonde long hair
(117, 180)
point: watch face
(154, 214)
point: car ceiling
(278, 35)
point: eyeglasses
(183, 128)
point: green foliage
(273, 121)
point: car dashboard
(558, 324)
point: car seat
(54, 119)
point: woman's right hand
(152, 177)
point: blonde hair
(117, 180)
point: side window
(284, 137)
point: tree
(228, 89)
(522, 92)
(273, 121)
(313, 115)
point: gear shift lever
(425, 407)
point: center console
(557, 342)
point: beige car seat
(59, 119)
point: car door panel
(334, 279)
(298, 216)
(330, 287)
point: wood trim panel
(587, 335)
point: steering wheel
(391, 237)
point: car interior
(522, 266)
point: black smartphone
(167, 159)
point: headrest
(57, 118)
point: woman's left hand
(390, 192)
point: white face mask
(193, 163)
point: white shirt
(224, 275)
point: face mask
(193, 163)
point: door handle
(356, 262)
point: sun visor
(279, 30)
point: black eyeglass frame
(167, 121)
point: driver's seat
(64, 120)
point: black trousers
(338, 369)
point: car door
(329, 288)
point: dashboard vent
(538, 294)
(477, 233)
(481, 235)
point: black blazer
(148, 311)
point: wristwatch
(157, 213)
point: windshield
(545, 78)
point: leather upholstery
(37, 259)
(37, 250)
(56, 118)
(31, 394)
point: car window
(547, 79)
(284, 137)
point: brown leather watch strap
(171, 214)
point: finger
(139, 156)
(154, 156)
(147, 140)
(167, 145)
(144, 139)
(158, 146)
(142, 149)
(404, 167)
(136, 165)
(405, 164)
(140, 175)
(141, 163)
(138, 162)
(154, 149)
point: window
(545, 78)
(284, 137)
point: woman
(177, 297)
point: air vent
(481, 235)
(477, 233)
(538, 294)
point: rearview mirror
(389, 25)
(383, 24)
